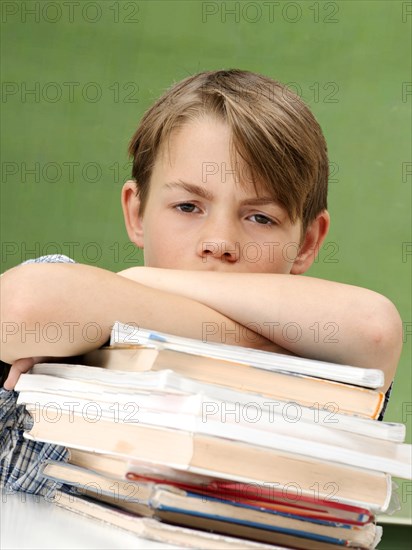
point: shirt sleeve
(20, 458)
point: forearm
(67, 309)
(308, 316)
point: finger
(12, 379)
(18, 367)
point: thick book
(153, 529)
(219, 457)
(274, 493)
(198, 536)
(273, 362)
(135, 493)
(315, 441)
(177, 507)
(168, 503)
(210, 400)
(308, 391)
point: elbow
(385, 338)
(19, 311)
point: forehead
(203, 138)
(201, 151)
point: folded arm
(58, 310)
(310, 317)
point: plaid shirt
(20, 458)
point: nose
(220, 251)
(218, 242)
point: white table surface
(29, 522)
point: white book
(311, 440)
(217, 457)
(210, 400)
(127, 334)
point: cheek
(163, 248)
(269, 257)
(289, 253)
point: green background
(350, 60)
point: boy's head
(274, 148)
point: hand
(20, 366)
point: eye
(187, 207)
(261, 219)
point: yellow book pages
(215, 456)
(304, 390)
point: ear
(132, 218)
(312, 241)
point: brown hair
(272, 129)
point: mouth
(220, 266)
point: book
(198, 397)
(218, 457)
(118, 468)
(152, 529)
(270, 525)
(134, 493)
(307, 391)
(285, 539)
(317, 441)
(169, 503)
(194, 537)
(274, 362)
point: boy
(228, 202)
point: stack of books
(215, 446)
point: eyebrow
(190, 188)
(207, 195)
